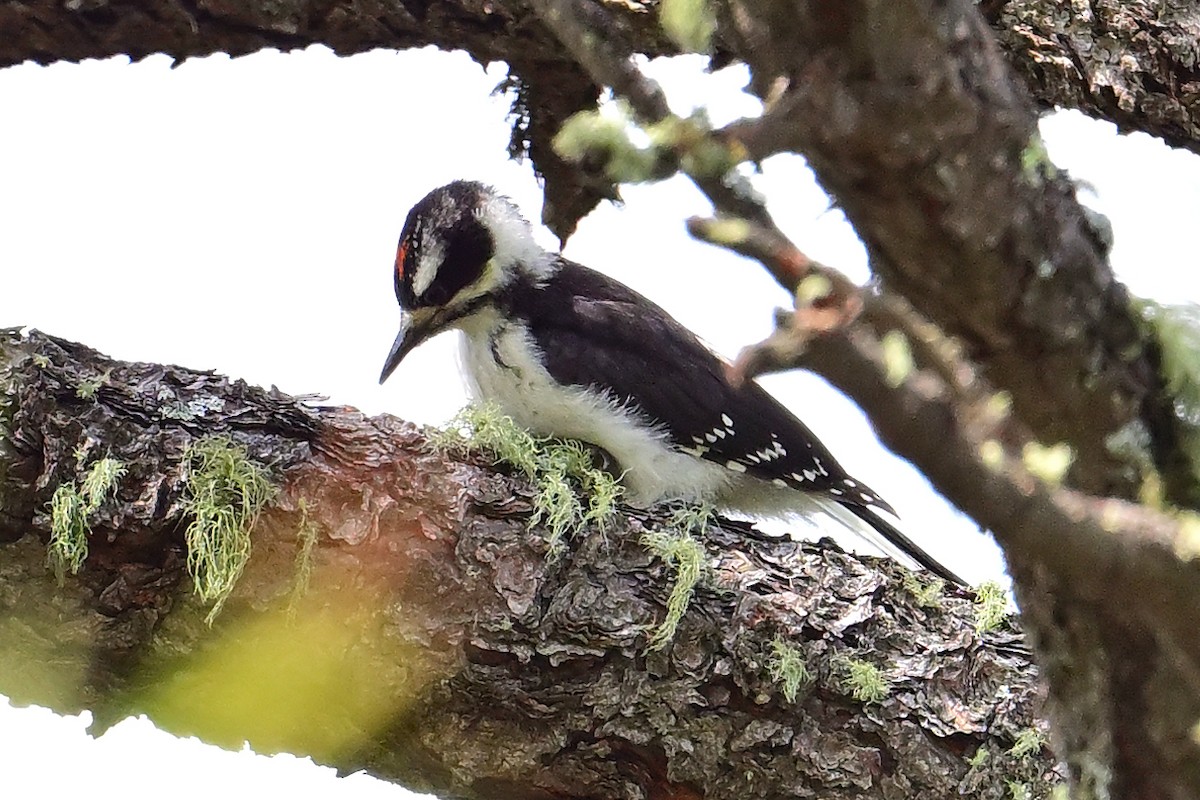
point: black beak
(411, 334)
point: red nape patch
(401, 252)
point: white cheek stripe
(427, 267)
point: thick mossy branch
(226, 491)
(435, 635)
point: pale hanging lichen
(306, 542)
(70, 507)
(562, 471)
(687, 557)
(225, 491)
(788, 668)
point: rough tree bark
(911, 117)
(448, 649)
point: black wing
(597, 332)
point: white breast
(502, 365)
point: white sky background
(242, 215)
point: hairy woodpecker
(568, 352)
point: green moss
(561, 470)
(599, 137)
(991, 606)
(68, 546)
(88, 387)
(978, 758)
(306, 540)
(728, 231)
(686, 555)
(897, 358)
(691, 141)
(863, 680)
(788, 668)
(927, 593)
(70, 507)
(991, 453)
(225, 493)
(1176, 328)
(1019, 790)
(813, 288)
(1036, 165)
(1028, 741)
(1050, 463)
(689, 23)
(557, 507)
(692, 518)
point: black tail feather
(903, 543)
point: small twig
(786, 263)
(592, 36)
(586, 29)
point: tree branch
(438, 644)
(1130, 63)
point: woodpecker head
(461, 244)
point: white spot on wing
(735, 466)
(728, 422)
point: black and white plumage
(567, 351)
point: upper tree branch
(1132, 63)
(910, 119)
